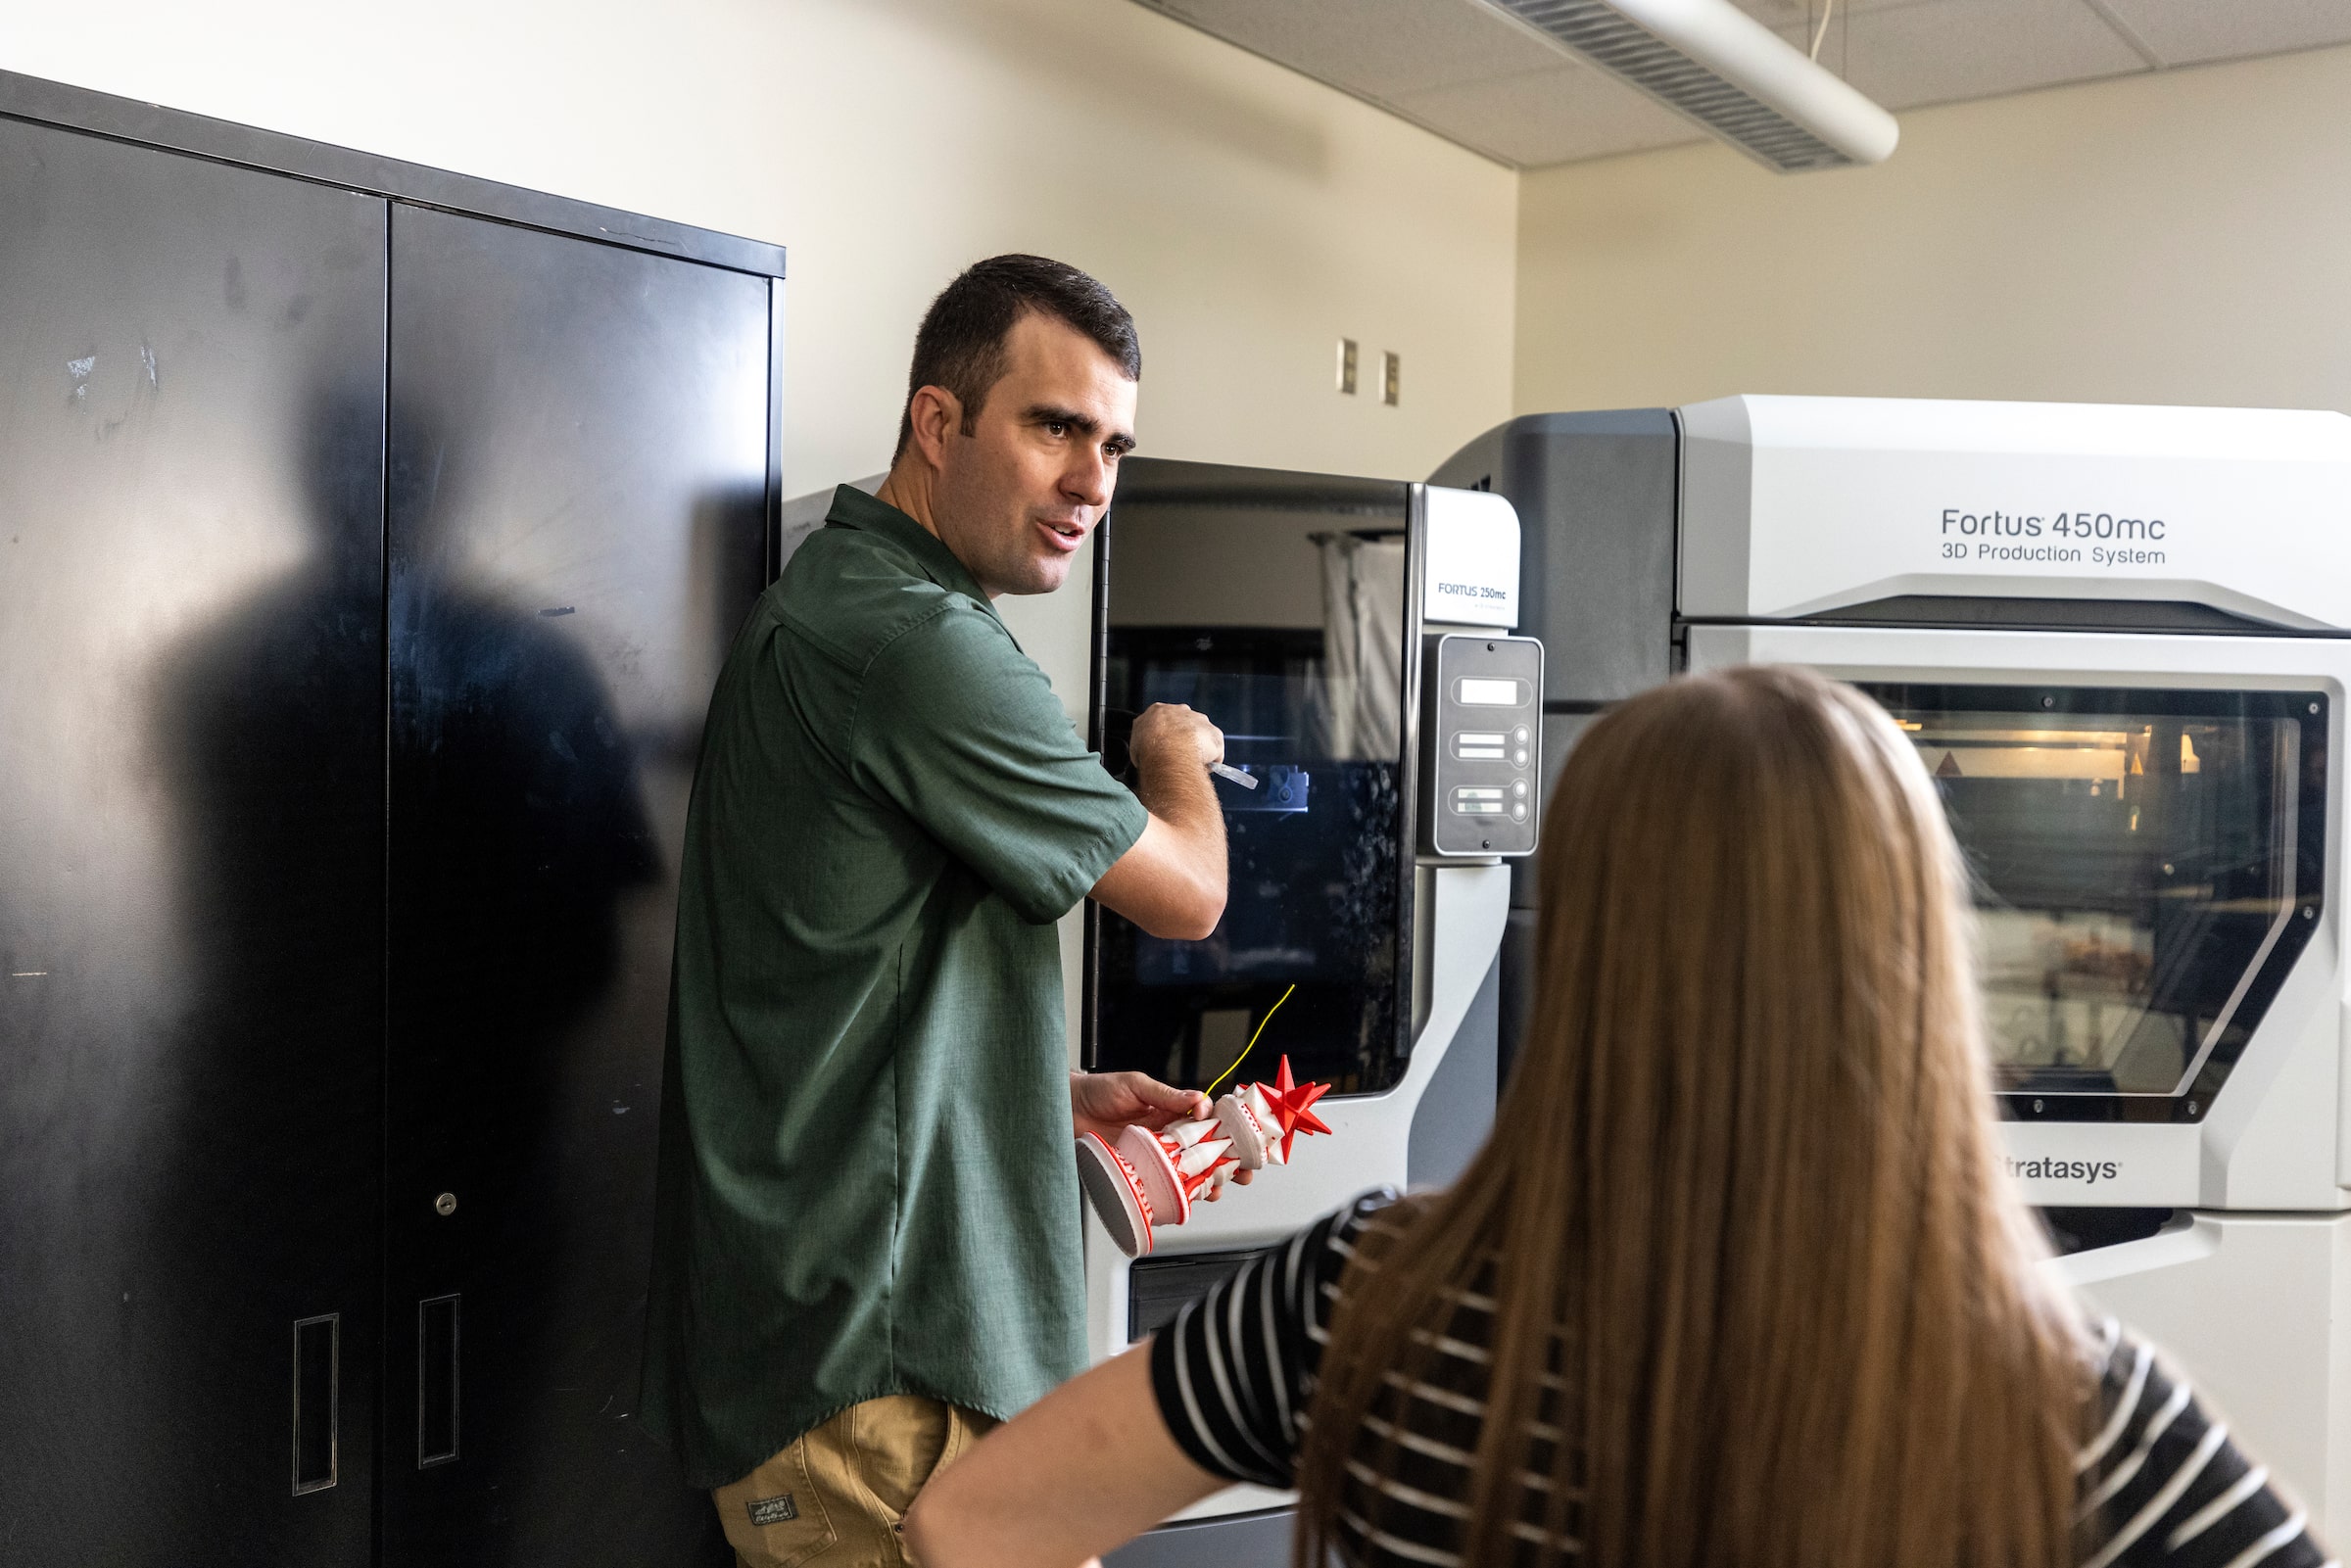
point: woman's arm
(1113, 1452)
(1089, 1466)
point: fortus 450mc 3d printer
(2117, 638)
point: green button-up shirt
(866, 1180)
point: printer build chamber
(2147, 867)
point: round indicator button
(1518, 759)
(1518, 811)
(1518, 737)
(1518, 787)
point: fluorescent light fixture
(1714, 64)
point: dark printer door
(1275, 603)
(577, 462)
(191, 891)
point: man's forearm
(1185, 798)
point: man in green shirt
(869, 1245)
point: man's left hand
(1105, 1102)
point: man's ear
(936, 414)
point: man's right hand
(1170, 735)
(1172, 882)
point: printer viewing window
(1278, 608)
(2147, 865)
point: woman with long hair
(1738, 1279)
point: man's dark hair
(961, 344)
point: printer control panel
(1481, 745)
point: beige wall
(2179, 238)
(1246, 214)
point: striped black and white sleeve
(1235, 1372)
(2162, 1483)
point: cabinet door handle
(317, 1379)
(436, 1381)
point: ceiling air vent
(1712, 61)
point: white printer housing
(1796, 508)
(2144, 591)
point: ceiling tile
(1375, 48)
(2187, 31)
(1549, 116)
(1796, 15)
(1798, 21)
(1941, 51)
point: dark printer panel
(1595, 499)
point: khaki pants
(834, 1498)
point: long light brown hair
(1740, 1216)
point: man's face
(1017, 496)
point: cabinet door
(191, 853)
(578, 459)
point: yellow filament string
(1252, 1045)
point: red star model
(1290, 1099)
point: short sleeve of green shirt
(961, 730)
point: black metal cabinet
(191, 883)
(578, 457)
(365, 564)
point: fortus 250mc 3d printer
(2117, 638)
(1351, 637)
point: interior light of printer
(2012, 761)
